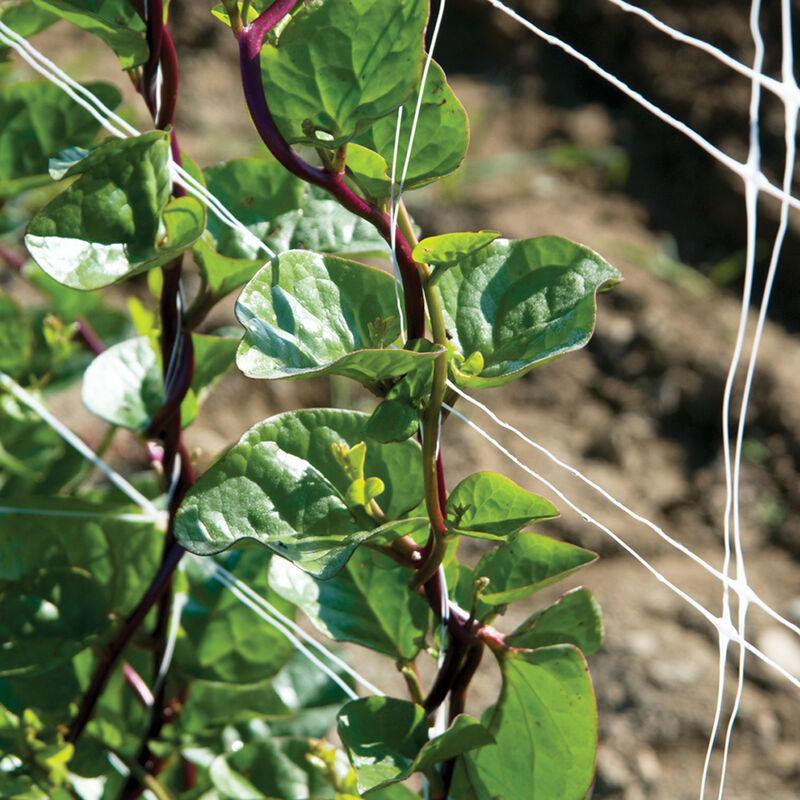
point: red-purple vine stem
(158, 85)
(467, 636)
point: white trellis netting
(736, 593)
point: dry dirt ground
(638, 410)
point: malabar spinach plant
(126, 664)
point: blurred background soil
(556, 150)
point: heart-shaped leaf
(308, 314)
(341, 64)
(574, 619)
(117, 219)
(124, 384)
(520, 304)
(527, 563)
(361, 604)
(281, 485)
(490, 506)
(545, 726)
(441, 137)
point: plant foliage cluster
(342, 515)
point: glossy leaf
(520, 304)
(114, 21)
(341, 64)
(224, 274)
(283, 212)
(526, 564)
(574, 619)
(490, 506)
(449, 248)
(545, 725)
(66, 567)
(308, 314)
(282, 486)
(367, 603)
(223, 639)
(39, 120)
(16, 337)
(441, 137)
(387, 740)
(117, 218)
(124, 384)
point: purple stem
(250, 42)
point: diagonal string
(743, 170)
(27, 399)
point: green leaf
(114, 21)
(521, 304)
(26, 18)
(124, 384)
(308, 314)
(39, 120)
(368, 602)
(441, 138)
(527, 563)
(491, 506)
(282, 486)
(223, 639)
(117, 219)
(545, 725)
(574, 619)
(29, 448)
(224, 274)
(312, 696)
(284, 213)
(392, 421)
(369, 172)
(340, 64)
(16, 338)
(213, 704)
(387, 740)
(66, 567)
(278, 768)
(450, 248)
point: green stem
(409, 672)
(431, 419)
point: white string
(27, 399)
(737, 167)
(393, 201)
(732, 466)
(178, 603)
(736, 586)
(233, 585)
(290, 623)
(118, 127)
(787, 93)
(720, 623)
